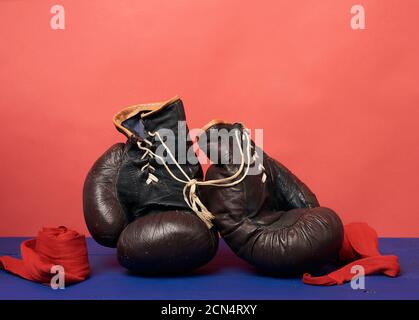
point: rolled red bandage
(53, 246)
(359, 247)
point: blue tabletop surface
(225, 277)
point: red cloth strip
(359, 247)
(52, 246)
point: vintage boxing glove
(139, 196)
(264, 212)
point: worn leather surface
(150, 224)
(103, 212)
(276, 225)
(135, 195)
(166, 242)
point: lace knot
(190, 184)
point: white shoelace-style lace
(189, 190)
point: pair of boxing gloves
(148, 197)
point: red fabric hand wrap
(359, 247)
(53, 246)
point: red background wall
(339, 107)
